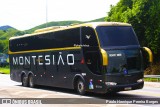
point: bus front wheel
(80, 87)
(31, 81)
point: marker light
(110, 83)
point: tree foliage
(4, 38)
(144, 15)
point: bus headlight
(110, 83)
(140, 80)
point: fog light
(110, 83)
(140, 80)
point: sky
(26, 14)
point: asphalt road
(67, 98)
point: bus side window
(90, 49)
(89, 37)
(67, 38)
(60, 39)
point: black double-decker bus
(97, 57)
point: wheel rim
(80, 86)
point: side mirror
(149, 54)
(147, 60)
(104, 57)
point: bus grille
(133, 63)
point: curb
(152, 84)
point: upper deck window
(58, 39)
(89, 37)
(116, 36)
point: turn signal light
(82, 61)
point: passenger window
(58, 39)
(89, 37)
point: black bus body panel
(54, 70)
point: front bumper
(126, 87)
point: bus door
(91, 54)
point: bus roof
(59, 28)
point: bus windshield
(110, 36)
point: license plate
(128, 88)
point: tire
(31, 81)
(24, 81)
(80, 87)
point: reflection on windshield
(116, 36)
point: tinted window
(26, 43)
(116, 36)
(89, 37)
(59, 39)
(67, 38)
